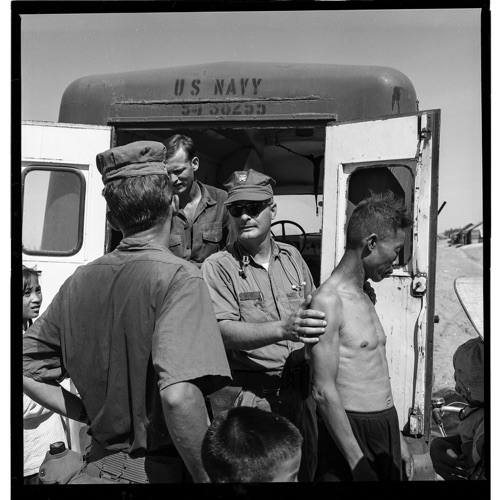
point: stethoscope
(296, 283)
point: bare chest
(361, 330)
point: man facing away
(200, 226)
(258, 289)
(351, 383)
(136, 333)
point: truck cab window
(53, 217)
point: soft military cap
(132, 160)
(249, 185)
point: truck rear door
(400, 154)
(64, 218)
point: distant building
(471, 233)
(474, 234)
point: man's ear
(274, 210)
(195, 162)
(372, 242)
(112, 221)
(174, 205)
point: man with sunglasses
(200, 227)
(260, 292)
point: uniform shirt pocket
(212, 232)
(253, 307)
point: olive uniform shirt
(207, 233)
(123, 328)
(259, 296)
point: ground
(453, 328)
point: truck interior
(294, 157)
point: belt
(265, 384)
(121, 467)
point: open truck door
(400, 154)
(64, 212)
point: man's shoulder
(222, 257)
(160, 257)
(328, 292)
(215, 193)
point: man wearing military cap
(136, 333)
(260, 292)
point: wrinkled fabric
(259, 297)
(123, 328)
(468, 362)
(207, 233)
(378, 436)
(41, 428)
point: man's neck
(260, 251)
(156, 235)
(350, 270)
(191, 198)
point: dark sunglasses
(252, 209)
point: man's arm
(325, 366)
(187, 421)
(304, 325)
(55, 398)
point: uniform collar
(137, 243)
(239, 251)
(205, 195)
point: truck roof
(286, 90)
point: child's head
(32, 293)
(249, 445)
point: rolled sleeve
(187, 344)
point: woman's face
(32, 299)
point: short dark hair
(139, 203)
(28, 274)
(248, 445)
(380, 213)
(178, 141)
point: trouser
(282, 395)
(379, 438)
(120, 467)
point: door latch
(419, 285)
(416, 422)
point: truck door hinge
(424, 127)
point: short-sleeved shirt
(253, 294)
(123, 328)
(207, 233)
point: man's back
(123, 323)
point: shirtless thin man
(351, 383)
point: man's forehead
(179, 157)
(398, 237)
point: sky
(439, 50)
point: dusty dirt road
(454, 327)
